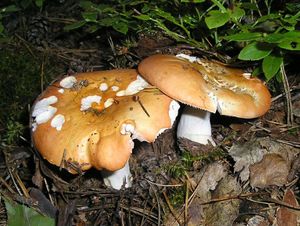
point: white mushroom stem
(118, 178)
(194, 124)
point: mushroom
(205, 86)
(89, 120)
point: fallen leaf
(285, 216)
(253, 151)
(271, 170)
(224, 212)
(257, 221)
(208, 179)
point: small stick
(137, 99)
(290, 117)
(61, 165)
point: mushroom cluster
(89, 120)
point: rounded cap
(207, 85)
(89, 120)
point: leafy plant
(19, 214)
(16, 6)
(5, 11)
(265, 33)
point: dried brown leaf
(272, 170)
(223, 213)
(253, 151)
(285, 216)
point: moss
(19, 85)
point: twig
(186, 206)
(291, 143)
(14, 182)
(164, 185)
(171, 208)
(42, 77)
(48, 190)
(290, 117)
(21, 184)
(158, 205)
(26, 45)
(6, 185)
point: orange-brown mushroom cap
(207, 85)
(91, 119)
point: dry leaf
(223, 213)
(252, 152)
(285, 216)
(208, 179)
(257, 221)
(272, 170)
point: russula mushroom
(205, 86)
(89, 120)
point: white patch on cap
(34, 126)
(115, 88)
(134, 87)
(108, 102)
(121, 93)
(42, 111)
(58, 121)
(68, 82)
(61, 90)
(127, 129)
(192, 59)
(42, 104)
(87, 102)
(47, 113)
(247, 75)
(103, 87)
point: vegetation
(263, 31)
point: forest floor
(251, 176)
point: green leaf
(1, 27)
(264, 18)
(107, 22)
(90, 16)
(255, 51)
(271, 65)
(18, 214)
(166, 15)
(92, 28)
(216, 19)
(291, 36)
(74, 25)
(86, 5)
(143, 17)
(121, 27)
(290, 45)
(193, 1)
(237, 13)
(249, 6)
(245, 36)
(9, 9)
(39, 3)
